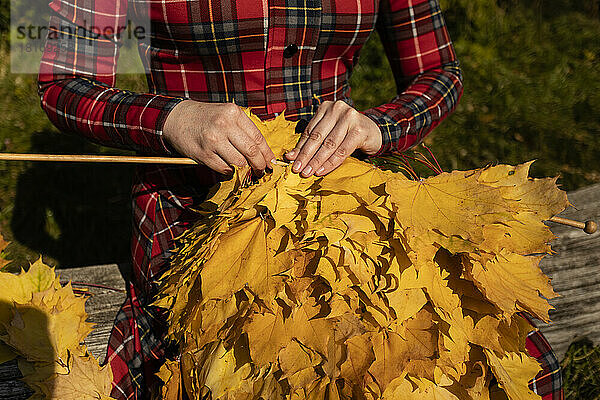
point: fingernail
(320, 170)
(271, 163)
(307, 171)
(297, 166)
(291, 153)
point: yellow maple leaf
(359, 359)
(514, 283)
(44, 324)
(224, 376)
(395, 350)
(404, 389)
(272, 131)
(85, 380)
(455, 204)
(170, 374)
(20, 288)
(298, 364)
(475, 383)
(541, 196)
(514, 371)
(245, 244)
(269, 333)
(49, 326)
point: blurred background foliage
(531, 74)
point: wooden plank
(575, 273)
(10, 385)
(103, 304)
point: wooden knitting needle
(588, 226)
(96, 158)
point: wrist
(175, 119)
(374, 139)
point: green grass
(581, 371)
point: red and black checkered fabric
(271, 55)
(548, 382)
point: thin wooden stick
(96, 158)
(587, 226)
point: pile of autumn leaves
(361, 284)
(42, 326)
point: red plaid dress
(271, 55)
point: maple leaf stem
(433, 157)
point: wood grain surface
(575, 273)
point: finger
(249, 150)
(216, 163)
(264, 156)
(316, 136)
(330, 144)
(350, 143)
(321, 111)
(231, 155)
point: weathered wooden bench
(107, 295)
(574, 269)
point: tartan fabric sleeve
(428, 78)
(77, 75)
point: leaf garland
(361, 284)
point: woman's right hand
(218, 135)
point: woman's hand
(218, 135)
(331, 136)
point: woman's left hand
(333, 134)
